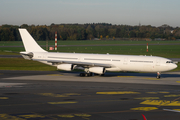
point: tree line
(91, 31)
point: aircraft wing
(82, 64)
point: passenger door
(157, 62)
(125, 62)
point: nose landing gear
(158, 75)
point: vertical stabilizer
(29, 43)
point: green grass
(10, 43)
(101, 42)
(167, 51)
(22, 64)
(86, 42)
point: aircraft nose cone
(173, 66)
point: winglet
(29, 43)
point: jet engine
(66, 67)
(97, 70)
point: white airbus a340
(93, 63)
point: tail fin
(29, 43)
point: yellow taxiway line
(67, 102)
(117, 92)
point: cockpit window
(169, 62)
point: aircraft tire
(91, 74)
(102, 74)
(158, 77)
(81, 74)
(86, 74)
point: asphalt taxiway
(28, 95)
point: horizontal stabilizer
(27, 55)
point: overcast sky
(129, 12)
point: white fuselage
(93, 63)
(119, 62)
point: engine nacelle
(97, 70)
(66, 67)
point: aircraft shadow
(124, 74)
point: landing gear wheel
(82, 74)
(85, 74)
(158, 75)
(102, 74)
(91, 74)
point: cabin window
(116, 60)
(63, 58)
(97, 59)
(141, 61)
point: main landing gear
(85, 74)
(89, 74)
(158, 75)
